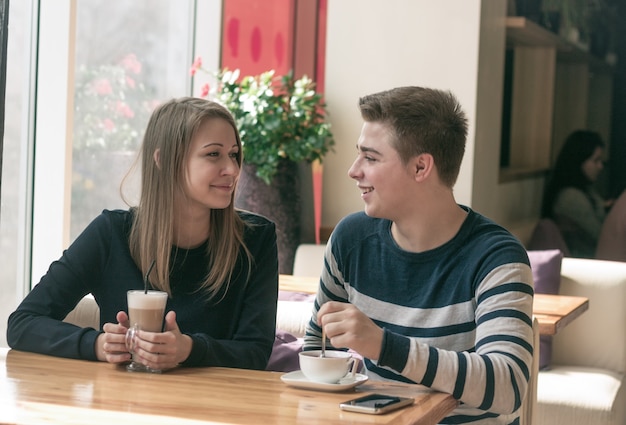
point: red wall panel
(258, 35)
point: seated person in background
(612, 242)
(426, 290)
(219, 266)
(570, 198)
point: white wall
(374, 45)
(512, 204)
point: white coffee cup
(329, 369)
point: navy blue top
(456, 318)
(234, 331)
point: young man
(426, 290)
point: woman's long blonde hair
(170, 131)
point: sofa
(584, 383)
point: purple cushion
(284, 356)
(295, 296)
(546, 267)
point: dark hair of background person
(567, 172)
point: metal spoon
(323, 343)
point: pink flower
(123, 109)
(198, 62)
(204, 91)
(131, 64)
(130, 82)
(108, 125)
(102, 87)
(195, 66)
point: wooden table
(553, 312)
(41, 389)
(304, 284)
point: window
(124, 58)
(101, 68)
(123, 68)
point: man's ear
(157, 158)
(422, 165)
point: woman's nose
(231, 168)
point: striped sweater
(456, 318)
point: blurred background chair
(547, 235)
(309, 260)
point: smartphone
(376, 404)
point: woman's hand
(111, 345)
(163, 350)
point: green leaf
(277, 117)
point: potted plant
(283, 123)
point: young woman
(218, 265)
(570, 198)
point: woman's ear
(157, 158)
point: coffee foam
(151, 300)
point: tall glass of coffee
(145, 312)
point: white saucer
(298, 380)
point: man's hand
(347, 327)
